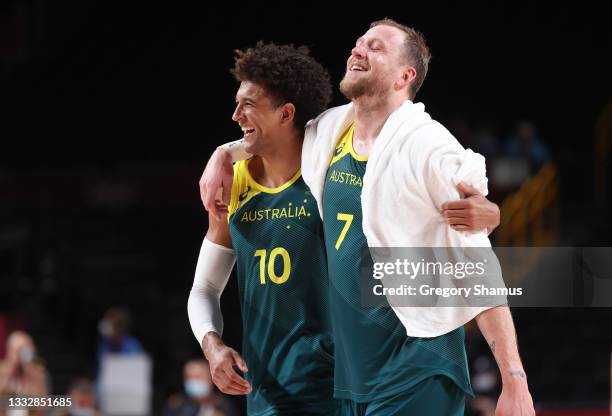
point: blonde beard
(361, 88)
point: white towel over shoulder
(414, 167)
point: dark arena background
(109, 111)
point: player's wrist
(494, 216)
(234, 151)
(211, 343)
(514, 377)
(223, 152)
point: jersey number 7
(349, 220)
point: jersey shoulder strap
(242, 188)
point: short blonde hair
(415, 51)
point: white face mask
(197, 388)
(105, 328)
(26, 355)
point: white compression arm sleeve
(213, 270)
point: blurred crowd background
(110, 110)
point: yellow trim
(233, 205)
(349, 144)
(241, 181)
(257, 186)
(341, 145)
(346, 145)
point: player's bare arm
(218, 175)
(223, 363)
(497, 327)
(218, 231)
(216, 181)
(472, 213)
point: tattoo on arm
(492, 345)
(517, 373)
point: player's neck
(279, 165)
(371, 113)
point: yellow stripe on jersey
(345, 146)
(242, 191)
(245, 187)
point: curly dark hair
(288, 74)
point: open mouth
(357, 68)
(247, 132)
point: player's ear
(408, 77)
(287, 113)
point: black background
(110, 110)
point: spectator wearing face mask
(200, 398)
(22, 372)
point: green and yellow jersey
(277, 235)
(374, 356)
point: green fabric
(374, 356)
(434, 396)
(287, 342)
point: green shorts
(435, 396)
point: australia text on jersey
(346, 178)
(290, 211)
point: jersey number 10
(278, 251)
